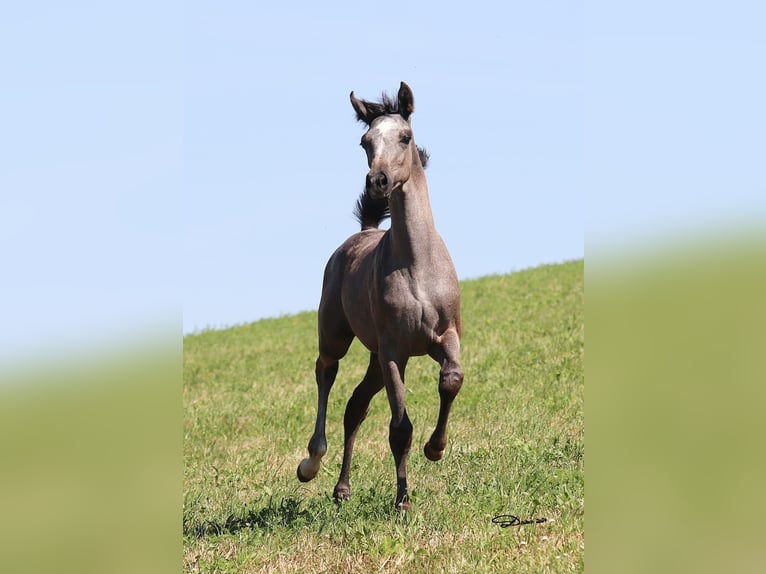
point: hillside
(516, 445)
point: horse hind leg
(356, 411)
(326, 371)
(335, 337)
(450, 381)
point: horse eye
(406, 139)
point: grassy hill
(516, 445)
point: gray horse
(396, 290)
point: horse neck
(412, 223)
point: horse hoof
(405, 505)
(305, 470)
(431, 453)
(341, 494)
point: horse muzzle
(378, 184)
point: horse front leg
(326, 370)
(450, 380)
(400, 428)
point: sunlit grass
(516, 445)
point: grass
(516, 445)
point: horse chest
(416, 306)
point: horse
(396, 290)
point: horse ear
(361, 110)
(406, 101)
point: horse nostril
(377, 180)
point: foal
(396, 290)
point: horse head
(388, 141)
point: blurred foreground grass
(676, 410)
(90, 471)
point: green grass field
(516, 445)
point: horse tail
(371, 212)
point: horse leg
(450, 380)
(326, 370)
(356, 411)
(335, 337)
(400, 428)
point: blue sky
(197, 163)
(273, 167)
(91, 146)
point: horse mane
(370, 212)
(386, 106)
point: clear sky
(201, 160)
